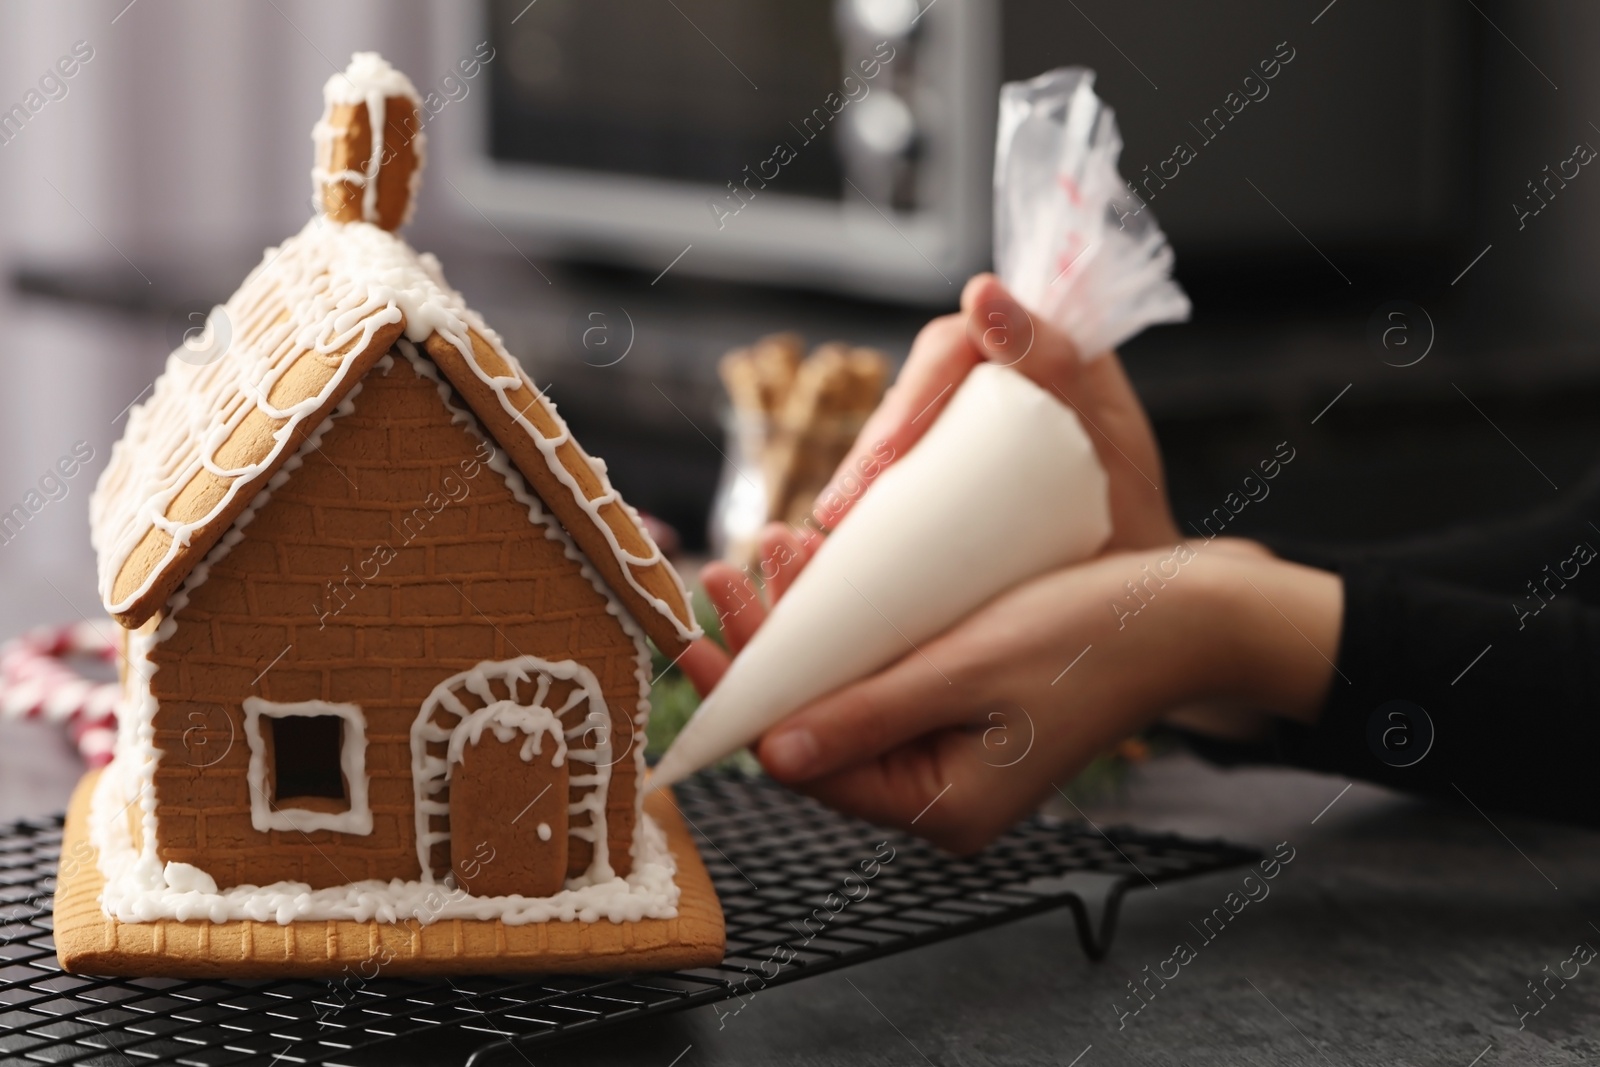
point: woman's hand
(993, 326)
(968, 733)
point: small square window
(307, 766)
(306, 751)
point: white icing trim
(136, 892)
(265, 813)
(430, 775)
(505, 719)
(187, 878)
(368, 73)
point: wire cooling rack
(779, 862)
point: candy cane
(36, 683)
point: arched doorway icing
(564, 689)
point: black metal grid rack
(775, 858)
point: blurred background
(1401, 159)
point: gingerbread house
(386, 622)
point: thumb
(864, 720)
(1005, 332)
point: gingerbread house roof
(287, 349)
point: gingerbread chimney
(369, 145)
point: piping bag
(1005, 484)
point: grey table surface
(1402, 932)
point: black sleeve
(1512, 704)
(1505, 557)
(1494, 633)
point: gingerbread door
(509, 769)
(508, 803)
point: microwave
(849, 144)
(830, 144)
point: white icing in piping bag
(1005, 485)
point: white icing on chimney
(369, 80)
(368, 75)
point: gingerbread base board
(90, 942)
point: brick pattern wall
(288, 616)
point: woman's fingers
(944, 787)
(783, 557)
(940, 358)
(863, 720)
(737, 602)
(810, 540)
(704, 663)
(896, 787)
